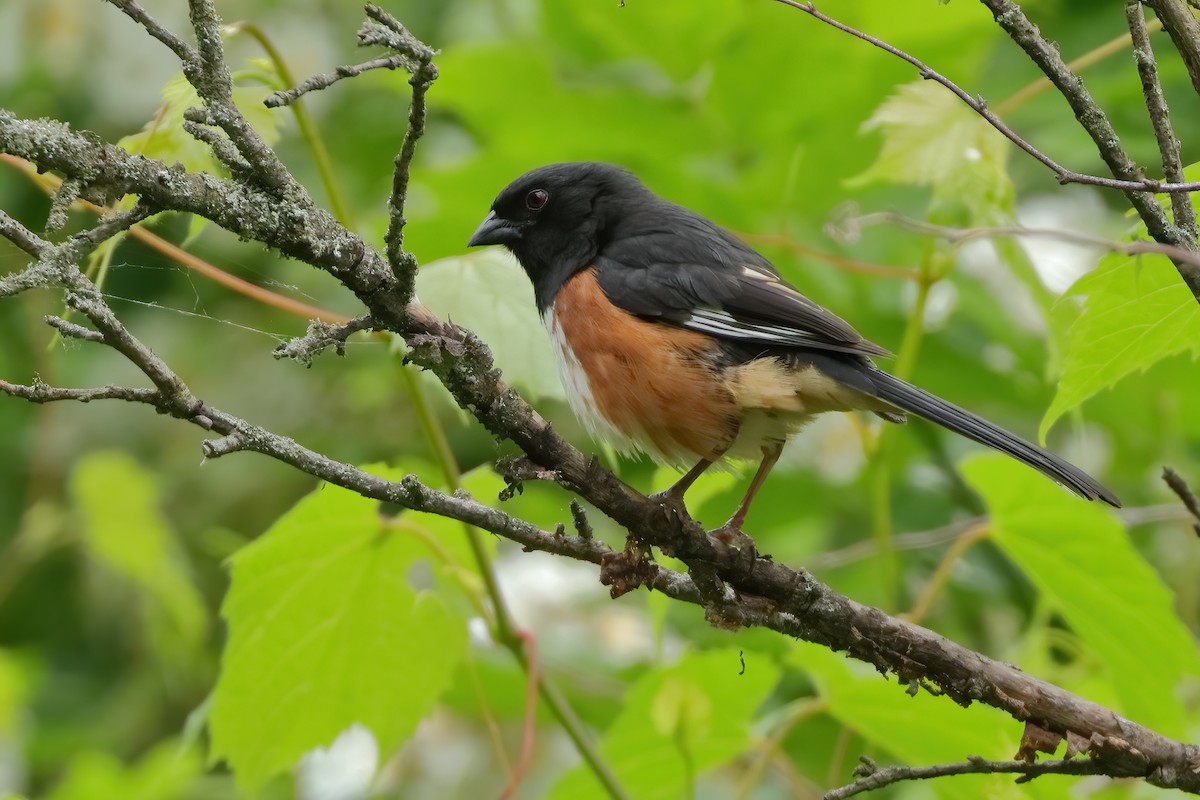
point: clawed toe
(731, 535)
(671, 501)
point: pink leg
(771, 454)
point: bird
(677, 339)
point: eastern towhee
(677, 339)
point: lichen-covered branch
(1160, 118)
(1181, 25)
(1095, 122)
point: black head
(555, 219)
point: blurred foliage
(152, 612)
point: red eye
(536, 200)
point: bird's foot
(730, 534)
(672, 503)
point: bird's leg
(673, 497)
(731, 532)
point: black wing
(689, 272)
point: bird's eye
(536, 200)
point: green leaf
(325, 631)
(165, 773)
(676, 723)
(931, 138)
(489, 293)
(1136, 312)
(125, 532)
(918, 729)
(935, 730)
(1079, 557)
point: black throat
(551, 261)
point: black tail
(927, 406)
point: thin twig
(945, 534)
(1127, 182)
(40, 393)
(389, 31)
(874, 778)
(322, 335)
(198, 126)
(72, 330)
(964, 235)
(184, 51)
(1078, 64)
(325, 80)
(49, 182)
(757, 592)
(21, 236)
(1186, 496)
(1160, 117)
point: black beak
(495, 230)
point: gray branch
(1181, 25)
(1094, 121)
(870, 778)
(1160, 117)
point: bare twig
(580, 520)
(1129, 177)
(1186, 496)
(945, 534)
(39, 393)
(197, 123)
(71, 330)
(871, 778)
(322, 335)
(1127, 181)
(389, 31)
(67, 194)
(964, 235)
(1160, 118)
(21, 236)
(1078, 64)
(324, 81)
(184, 51)
(1092, 118)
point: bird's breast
(638, 384)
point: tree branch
(1160, 118)
(1012, 19)
(1183, 28)
(324, 81)
(182, 50)
(868, 777)
(1185, 494)
(22, 237)
(388, 31)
